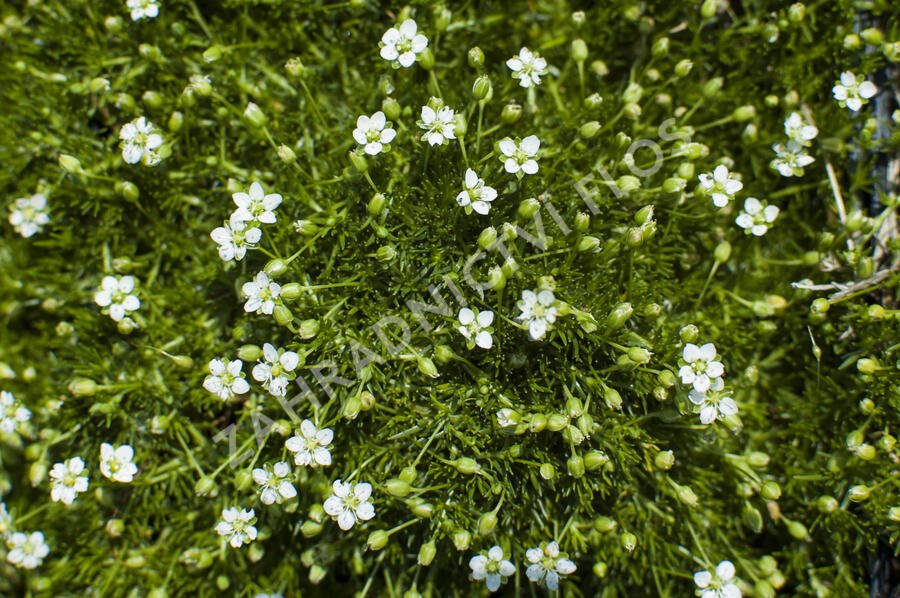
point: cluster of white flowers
(116, 462)
(852, 93)
(277, 369)
(438, 122)
(528, 67)
(520, 158)
(237, 526)
(12, 413)
(757, 216)
(476, 327)
(703, 373)
(116, 297)
(24, 550)
(349, 503)
(374, 133)
(547, 566)
(310, 447)
(491, 568)
(67, 481)
(139, 142)
(475, 194)
(262, 294)
(717, 584)
(538, 311)
(274, 484)
(402, 45)
(29, 214)
(143, 9)
(720, 185)
(791, 157)
(242, 230)
(226, 378)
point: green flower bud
(482, 88)
(791, 98)
(70, 164)
(893, 513)
(366, 400)
(872, 36)
(205, 486)
(82, 387)
(408, 474)
(459, 125)
(826, 504)
(254, 115)
(466, 465)
(385, 253)
(308, 329)
(600, 569)
(595, 459)
(664, 460)
(113, 24)
(708, 9)
(587, 243)
(639, 354)
(377, 540)
(462, 539)
(487, 523)
(604, 524)
(397, 487)
(282, 315)
(866, 452)
(427, 552)
(744, 113)
(722, 252)
(711, 88)
(286, 154)
(797, 530)
(572, 435)
(528, 208)
(632, 111)
(152, 99)
(115, 527)
(37, 471)
(589, 129)
(758, 459)
(475, 57)
(443, 354)
(618, 316)
(487, 237)
(276, 267)
(887, 442)
(592, 102)
(666, 378)
(511, 113)
(391, 108)
(537, 422)
(763, 589)
(547, 471)
(316, 574)
(306, 227)
(892, 53)
(575, 466)
(557, 422)
(770, 490)
(628, 183)
(753, 518)
(427, 367)
(687, 496)
(377, 204)
(128, 190)
(866, 366)
(628, 541)
(582, 222)
(612, 398)
(579, 50)
(358, 160)
(683, 67)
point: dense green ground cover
(620, 144)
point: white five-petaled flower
(274, 484)
(720, 185)
(29, 214)
(718, 585)
(701, 367)
(276, 371)
(798, 130)
(548, 564)
(475, 195)
(527, 67)
(373, 133)
(235, 238)
(492, 568)
(476, 327)
(715, 402)
(521, 157)
(538, 312)
(852, 93)
(26, 550)
(311, 445)
(116, 462)
(256, 206)
(143, 8)
(139, 142)
(237, 526)
(226, 379)
(757, 216)
(12, 413)
(261, 294)
(790, 159)
(67, 480)
(349, 503)
(116, 298)
(439, 126)
(401, 45)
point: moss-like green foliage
(587, 435)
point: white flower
(256, 206)
(701, 366)
(275, 485)
(29, 214)
(527, 67)
(718, 585)
(720, 185)
(116, 462)
(234, 239)
(439, 126)
(790, 160)
(237, 526)
(373, 133)
(548, 564)
(756, 217)
(714, 402)
(852, 94)
(798, 130)
(12, 413)
(491, 568)
(27, 550)
(476, 327)
(401, 45)
(67, 480)
(261, 294)
(475, 194)
(349, 503)
(311, 445)
(139, 142)
(520, 157)
(275, 371)
(538, 312)
(116, 298)
(143, 8)
(226, 379)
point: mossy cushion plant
(339, 298)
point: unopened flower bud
(462, 539)
(579, 50)
(352, 407)
(528, 208)
(511, 113)
(82, 387)
(385, 253)
(487, 523)
(587, 243)
(612, 398)
(396, 487)
(205, 486)
(770, 490)
(475, 57)
(358, 160)
(797, 530)
(308, 329)
(557, 422)
(466, 465)
(70, 164)
(712, 87)
(628, 541)
(664, 460)
(593, 101)
(866, 366)
(482, 87)
(427, 552)
(575, 466)
(427, 367)
(254, 115)
(595, 459)
(683, 67)
(722, 252)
